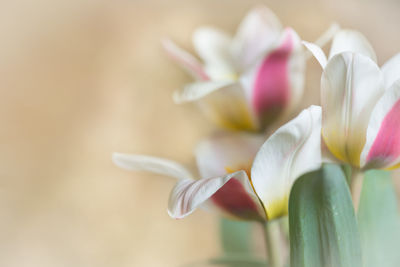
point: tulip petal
(351, 84)
(151, 164)
(317, 53)
(227, 152)
(351, 41)
(231, 193)
(185, 59)
(198, 90)
(391, 70)
(291, 151)
(382, 148)
(213, 46)
(278, 81)
(224, 103)
(256, 35)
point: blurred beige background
(81, 79)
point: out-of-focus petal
(231, 193)
(213, 46)
(351, 84)
(317, 53)
(276, 80)
(382, 148)
(351, 41)
(391, 71)
(291, 151)
(227, 152)
(198, 90)
(229, 108)
(257, 34)
(151, 164)
(185, 59)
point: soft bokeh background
(81, 79)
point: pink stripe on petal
(185, 59)
(386, 146)
(271, 87)
(233, 199)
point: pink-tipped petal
(382, 148)
(257, 34)
(232, 194)
(391, 70)
(185, 59)
(272, 86)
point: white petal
(382, 148)
(198, 90)
(231, 193)
(351, 84)
(257, 34)
(212, 45)
(229, 107)
(294, 149)
(391, 70)
(185, 59)
(297, 69)
(351, 41)
(227, 152)
(317, 53)
(151, 164)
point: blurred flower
(247, 182)
(360, 103)
(248, 81)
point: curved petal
(151, 164)
(231, 193)
(277, 81)
(351, 41)
(382, 148)
(257, 34)
(229, 108)
(291, 151)
(198, 90)
(351, 84)
(213, 46)
(226, 152)
(185, 59)
(391, 70)
(317, 53)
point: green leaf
(379, 221)
(322, 223)
(230, 261)
(240, 261)
(236, 237)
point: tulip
(248, 81)
(241, 175)
(360, 103)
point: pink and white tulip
(360, 103)
(247, 81)
(241, 175)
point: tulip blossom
(241, 175)
(360, 103)
(247, 81)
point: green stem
(272, 240)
